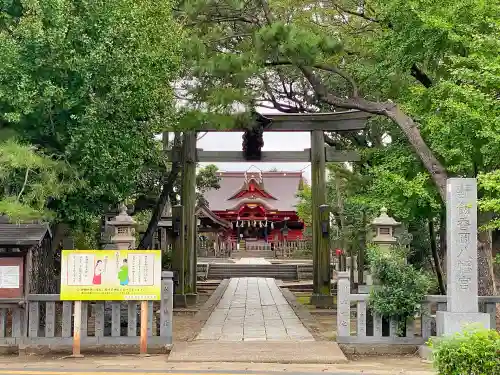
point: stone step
(283, 271)
(269, 266)
(252, 254)
(250, 272)
(226, 271)
(225, 275)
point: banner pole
(144, 328)
(77, 330)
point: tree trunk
(435, 257)
(147, 238)
(362, 249)
(486, 276)
(59, 231)
(430, 162)
(442, 238)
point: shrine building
(259, 206)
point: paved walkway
(253, 309)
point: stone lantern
(384, 227)
(123, 230)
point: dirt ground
(325, 319)
(185, 328)
(185, 325)
(92, 363)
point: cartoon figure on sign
(98, 270)
(123, 273)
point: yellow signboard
(110, 275)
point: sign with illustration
(110, 275)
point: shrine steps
(275, 271)
(252, 254)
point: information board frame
(110, 275)
(9, 260)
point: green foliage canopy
(28, 180)
(90, 83)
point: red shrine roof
(273, 190)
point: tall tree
(206, 179)
(89, 82)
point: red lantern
(338, 252)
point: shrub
(400, 287)
(472, 352)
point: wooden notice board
(12, 276)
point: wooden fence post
(144, 328)
(77, 330)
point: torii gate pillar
(321, 296)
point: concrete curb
(378, 349)
(303, 314)
(203, 314)
(425, 352)
(286, 352)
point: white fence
(45, 320)
(368, 328)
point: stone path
(253, 309)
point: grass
(304, 300)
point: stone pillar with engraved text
(462, 289)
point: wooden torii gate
(184, 258)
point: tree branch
(390, 110)
(325, 67)
(280, 107)
(267, 11)
(241, 18)
(358, 14)
(333, 69)
(331, 142)
(24, 184)
(420, 76)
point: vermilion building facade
(260, 206)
